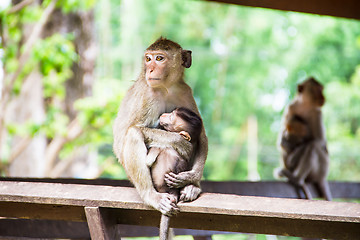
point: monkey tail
(165, 233)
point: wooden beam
(282, 189)
(223, 212)
(31, 228)
(43, 229)
(336, 8)
(101, 227)
(19, 209)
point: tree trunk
(29, 106)
(81, 24)
(29, 159)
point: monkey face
(156, 68)
(172, 122)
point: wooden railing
(110, 209)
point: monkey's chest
(151, 116)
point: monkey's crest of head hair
(163, 44)
(194, 122)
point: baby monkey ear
(186, 58)
(185, 135)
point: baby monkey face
(172, 122)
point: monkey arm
(199, 159)
(164, 139)
(317, 127)
(201, 150)
(281, 138)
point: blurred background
(66, 65)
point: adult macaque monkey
(160, 88)
(303, 142)
(166, 161)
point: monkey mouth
(154, 79)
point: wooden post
(101, 227)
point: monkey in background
(160, 88)
(164, 161)
(302, 141)
(295, 134)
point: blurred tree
(18, 42)
(33, 84)
(79, 85)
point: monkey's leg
(323, 172)
(304, 165)
(295, 181)
(304, 168)
(306, 191)
(286, 173)
(293, 158)
(152, 155)
(325, 189)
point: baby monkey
(165, 161)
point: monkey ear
(186, 58)
(300, 88)
(185, 135)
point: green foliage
(27, 129)
(55, 55)
(246, 61)
(30, 14)
(74, 5)
(96, 116)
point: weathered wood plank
(78, 230)
(337, 8)
(19, 209)
(71, 194)
(280, 189)
(276, 216)
(31, 228)
(127, 198)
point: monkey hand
(189, 193)
(167, 205)
(177, 180)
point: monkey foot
(189, 193)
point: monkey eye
(159, 58)
(147, 58)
